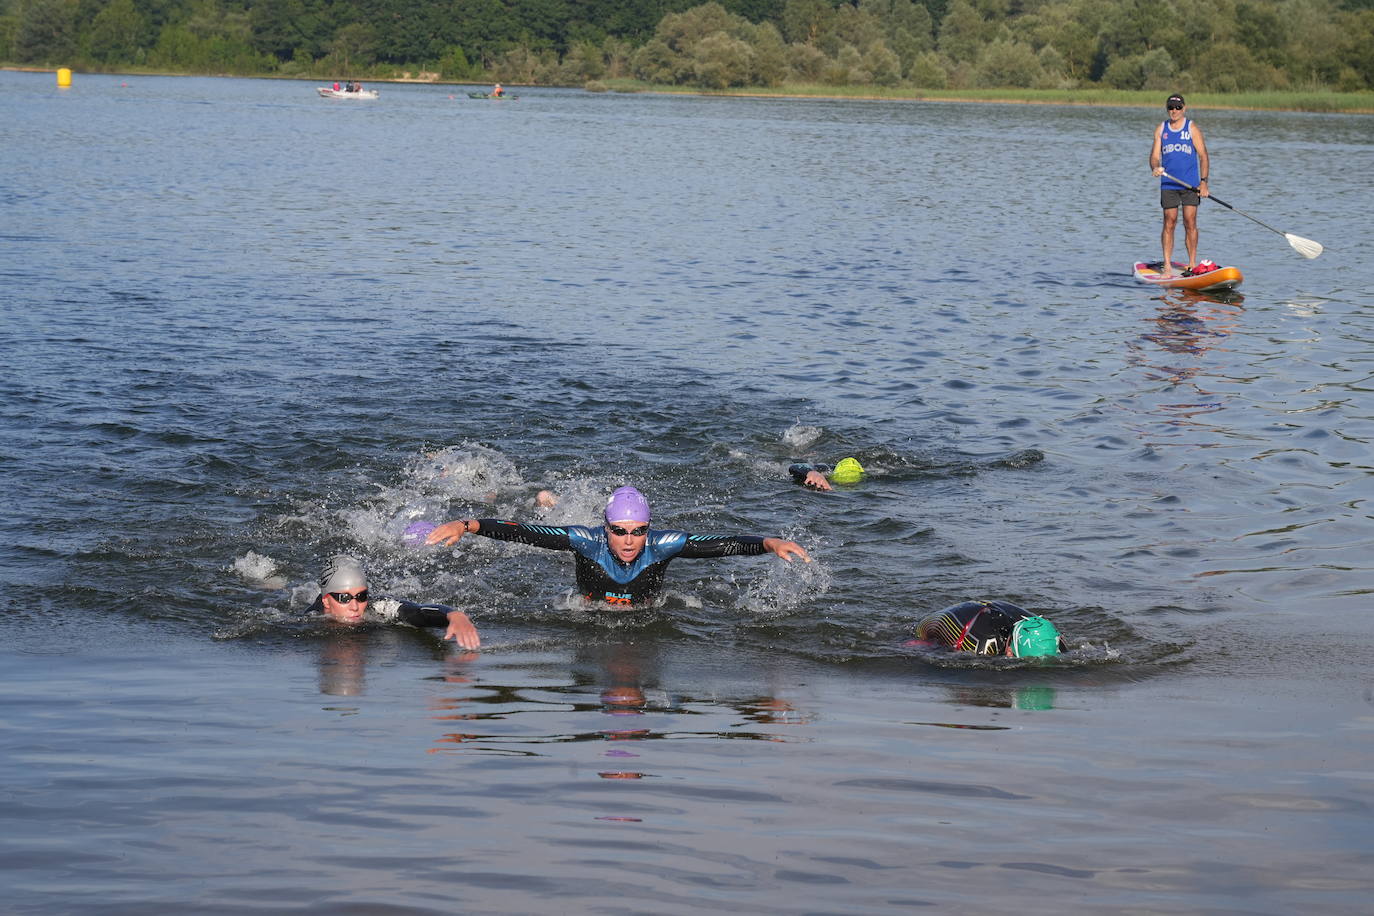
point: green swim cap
(847, 471)
(1034, 636)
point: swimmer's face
(349, 610)
(626, 539)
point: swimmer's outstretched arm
(550, 537)
(699, 546)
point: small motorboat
(330, 93)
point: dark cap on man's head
(1174, 98)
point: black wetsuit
(388, 609)
(982, 627)
(600, 575)
(799, 471)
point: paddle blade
(1305, 247)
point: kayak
(1217, 278)
(488, 95)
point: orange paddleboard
(1221, 278)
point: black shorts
(1170, 198)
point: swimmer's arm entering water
(732, 545)
(457, 625)
(811, 475)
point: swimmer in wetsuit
(622, 563)
(344, 598)
(991, 628)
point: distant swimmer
(344, 598)
(819, 476)
(991, 628)
(623, 562)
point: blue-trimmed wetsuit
(1179, 156)
(600, 574)
(981, 627)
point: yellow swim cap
(847, 471)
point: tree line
(1203, 45)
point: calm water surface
(245, 328)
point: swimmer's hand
(451, 532)
(786, 549)
(816, 481)
(461, 630)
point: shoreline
(1362, 103)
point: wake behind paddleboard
(1220, 278)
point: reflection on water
(1187, 327)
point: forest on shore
(888, 46)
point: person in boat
(819, 476)
(623, 562)
(991, 628)
(497, 91)
(336, 85)
(1179, 152)
(345, 598)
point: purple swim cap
(416, 532)
(627, 505)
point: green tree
(963, 32)
(117, 34)
(1124, 73)
(770, 55)
(1005, 63)
(848, 68)
(883, 64)
(805, 21)
(655, 62)
(851, 26)
(806, 63)
(282, 27)
(46, 33)
(1158, 70)
(454, 65)
(928, 72)
(720, 61)
(354, 47)
(585, 61)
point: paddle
(1305, 247)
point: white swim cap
(342, 572)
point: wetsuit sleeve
(699, 546)
(550, 537)
(423, 615)
(799, 471)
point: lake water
(245, 328)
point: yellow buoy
(64, 77)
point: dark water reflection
(244, 330)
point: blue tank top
(1178, 155)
